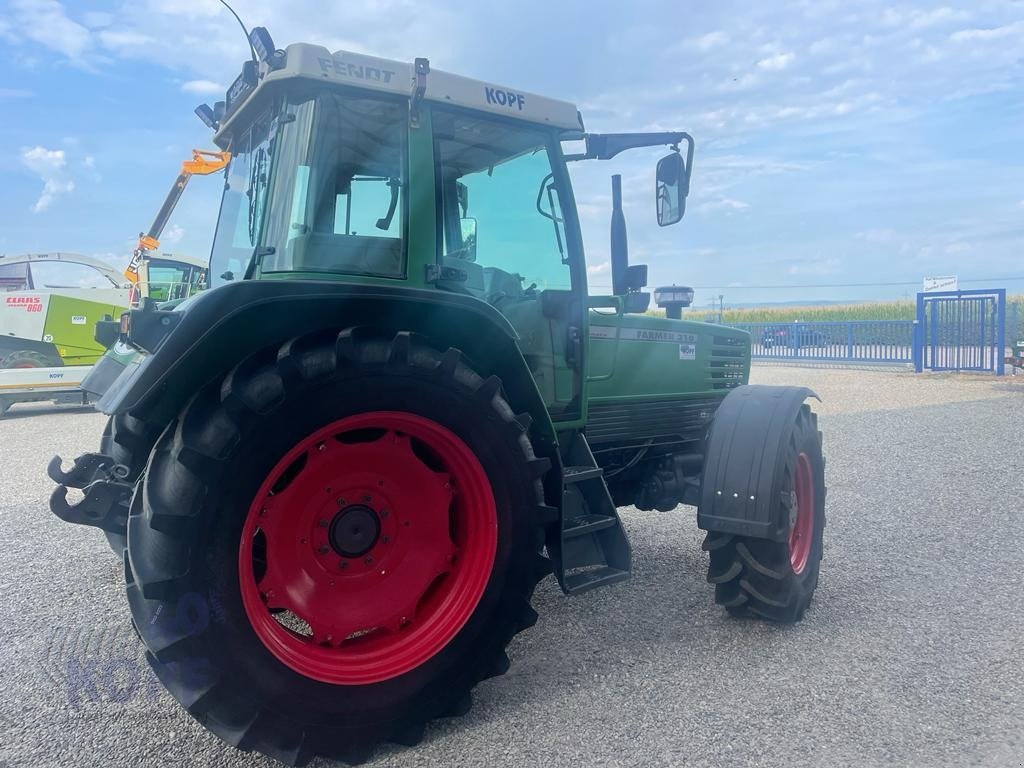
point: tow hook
(106, 490)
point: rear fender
(209, 334)
(742, 476)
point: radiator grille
(728, 362)
(676, 418)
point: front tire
(769, 579)
(273, 542)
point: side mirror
(672, 185)
(468, 232)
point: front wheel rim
(801, 535)
(367, 548)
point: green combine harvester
(340, 473)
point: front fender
(742, 477)
(217, 329)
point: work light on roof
(262, 43)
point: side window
(501, 217)
(242, 204)
(341, 173)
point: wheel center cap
(354, 530)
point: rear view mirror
(672, 185)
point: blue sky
(837, 142)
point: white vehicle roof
(314, 62)
(111, 274)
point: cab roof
(314, 62)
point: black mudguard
(207, 335)
(743, 475)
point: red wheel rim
(802, 533)
(367, 548)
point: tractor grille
(676, 418)
(727, 365)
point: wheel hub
(377, 536)
(354, 531)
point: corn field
(877, 310)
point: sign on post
(940, 284)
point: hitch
(103, 481)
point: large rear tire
(769, 579)
(335, 544)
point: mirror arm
(605, 146)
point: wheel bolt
(322, 523)
(369, 560)
(343, 564)
(323, 549)
(386, 539)
(384, 513)
(341, 501)
(366, 498)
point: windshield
(338, 188)
(241, 209)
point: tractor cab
(351, 168)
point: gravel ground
(910, 654)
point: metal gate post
(919, 335)
(1001, 332)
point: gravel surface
(910, 654)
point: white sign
(687, 351)
(941, 284)
(78, 319)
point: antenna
(242, 25)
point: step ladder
(592, 550)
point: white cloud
(599, 269)
(125, 40)
(776, 63)
(97, 19)
(15, 93)
(51, 167)
(725, 205)
(987, 33)
(203, 87)
(173, 234)
(46, 22)
(710, 40)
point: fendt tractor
(343, 469)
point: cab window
(501, 219)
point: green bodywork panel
(70, 325)
(644, 357)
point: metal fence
(855, 341)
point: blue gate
(961, 331)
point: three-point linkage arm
(202, 163)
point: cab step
(585, 524)
(581, 474)
(591, 549)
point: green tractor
(343, 470)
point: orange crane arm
(203, 163)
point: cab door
(502, 198)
